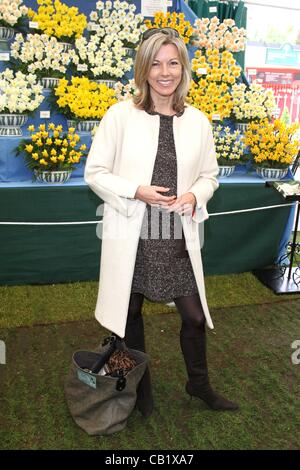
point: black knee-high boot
(134, 338)
(193, 346)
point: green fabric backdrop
(50, 254)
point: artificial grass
(47, 304)
(249, 355)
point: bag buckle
(109, 340)
(121, 382)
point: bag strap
(103, 358)
(114, 343)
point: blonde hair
(146, 53)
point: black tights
(191, 313)
(189, 308)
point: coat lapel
(140, 146)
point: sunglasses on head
(167, 31)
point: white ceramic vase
(271, 173)
(110, 83)
(10, 124)
(6, 34)
(52, 177)
(71, 123)
(86, 127)
(241, 126)
(130, 52)
(66, 46)
(49, 82)
(225, 171)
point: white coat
(121, 158)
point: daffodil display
(98, 58)
(213, 73)
(229, 145)
(11, 13)
(50, 148)
(173, 20)
(117, 20)
(272, 145)
(252, 103)
(83, 99)
(40, 54)
(212, 34)
(125, 91)
(57, 19)
(20, 93)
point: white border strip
(100, 221)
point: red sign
(285, 85)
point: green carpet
(47, 304)
(250, 362)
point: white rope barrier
(53, 223)
(251, 210)
(100, 221)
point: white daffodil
(20, 92)
(11, 12)
(40, 52)
(93, 16)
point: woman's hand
(183, 205)
(151, 195)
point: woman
(153, 157)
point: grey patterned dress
(163, 268)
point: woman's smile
(165, 73)
(164, 82)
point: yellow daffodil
(273, 144)
(84, 99)
(58, 19)
(29, 148)
(173, 20)
(213, 75)
(45, 152)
